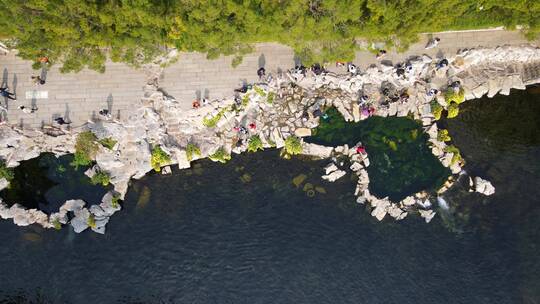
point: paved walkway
(80, 96)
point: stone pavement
(80, 96)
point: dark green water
(47, 182)
(401, 161)
(216, 235)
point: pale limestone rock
(315, 150)
(302, 132)
(330, 168)
(427, 215)
(483, 186)
(166, 170)
(335, 175)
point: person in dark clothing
(443, 63)
(317, 113)
(261, 72)
(317, 69)
(5, 93)
(243, 89)
(400, 71)
(38, 80)
(61, 121)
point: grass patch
(159, 158)
(192, 150)
(86, 148)
(108, 142)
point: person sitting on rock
(363, 99)
(317, 113)
(432, 43)
(28, 110)
(261, 72)
(351, 68)
(456, 85)
(380, 54)
(243, 130)
(400, 71)
(243, 89)
(432, 92)
(252, 126)
(37, 80)
(317, 69)
(404, 97)
(196, 104)
(442, 64)
(105, 113)
(361, 150)
(340, 63)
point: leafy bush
(220, 156)
(259, 91)
(85, 149)
(293, 145)
(108, 142)
(101, 178)
(191, 150)
(255, 144)
(436, 110)
(457, 154)
(56, 224)
(159, 158)
(443, 135)
(6, 172)
(453, 110)
(270, 98)
(452, 96)
(115, 201)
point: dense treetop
(81, 33)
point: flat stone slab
(37, 95)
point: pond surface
(47, 182)
(401, 162)
(245, 233)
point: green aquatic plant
(293, 145)
(101, 178)
(452, 96)
(456, 158)
(6, 172)
(442, 135)
(56, 224)
(453, 110)
(436, 109)
(192, 150)
(108, 142)
(91, 221)
(254, 144)
(212, 121)
(220, 156)
(159, 158)
(86, 148)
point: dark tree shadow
(198, 94)
(297, 60)
(387, 62)
(34, 103)
(262, 61)
(440, 54)
(110, 103)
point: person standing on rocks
(432, 43)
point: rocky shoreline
(277, 112)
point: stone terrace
(80, 96)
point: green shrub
(259, 91)
(91, 221)
(270, 98)
(159, 158)
(255, 144)
(56, 224)
(453, 110)
(293, 145)
(452, 96)
(191, 150)
(115, 201)
(101, 178)
(220, 156)
(85, 149)
(212, 121)
(6, 172)
(436, 109)
(457, 154)
(443, 135)
(108, 142)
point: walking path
(79, 97)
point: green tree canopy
(83, 33)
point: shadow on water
(46, 182)
(401, 162)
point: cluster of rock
(282, 106)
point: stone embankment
(275, 113)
